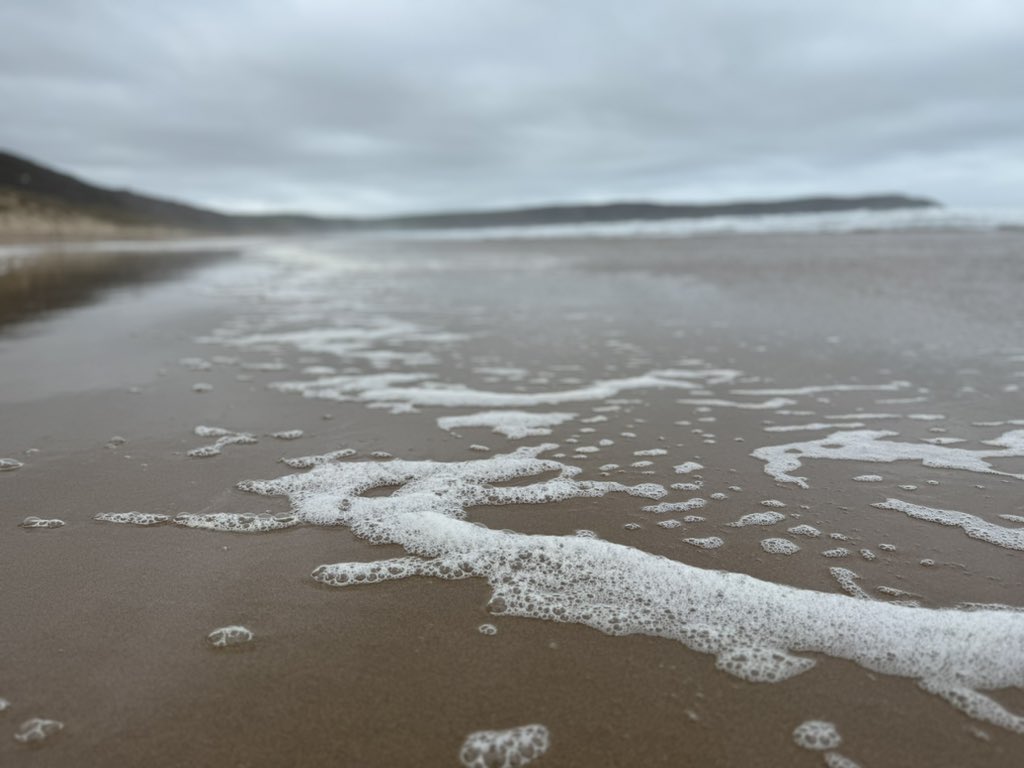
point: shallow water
(521, 430)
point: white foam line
(972, 525)
(816, 390)
(381, 389)
(868, 445)
(816, 426)
(515, 425)
(773, 404)
(864, 416)
(754, 628)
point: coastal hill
(36, 201)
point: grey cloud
(360, 108)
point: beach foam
(39, 522)
(779, 546)
(817, 735)
(515, 425)
(37, 729)
(400, 389)
(754, 628)
(505, 749)
(226, 637)
(869, 446)
(758, 518)
(132, 518)
(972, 525)
(225, 437)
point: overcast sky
(380, 106)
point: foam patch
(515, 425)
(225, 437)
(818, 735)
(132, 518)
(972, 525)
(505, 749)
(227, 637)
(758, 518)
(708, 542)
(39, 522)
(387, 390)
(869, 446)
(779, 547)
(37, 729)
(237, 523)
(756, 629)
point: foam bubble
(869, 478)
(779, 546)
(837, 552)
(227, 637)
(687, 467)
(773, 404)
(676, 506)
(687, 486)
(224, 437)
(669, 524)
(515, 425)
(304, 462)
(132, 518)
(4, 704)
(868, 445)
(505, 749)
(817, 735)
(9, 465)
(37, 729)
(288, 434)
(773, 503)
(972, 525)
(237, 523)
(651, 452)
(847, 579)
(819, 389)
(758, 518)
(38, 522)
(708, 542)
(805, 530)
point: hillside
(39, 202)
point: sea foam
(504, 749)
(755, 629)
(869, 446)
(515, 425)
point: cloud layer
(395, 106)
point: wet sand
(104, 625)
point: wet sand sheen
(113, 619)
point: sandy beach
(653, 354)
